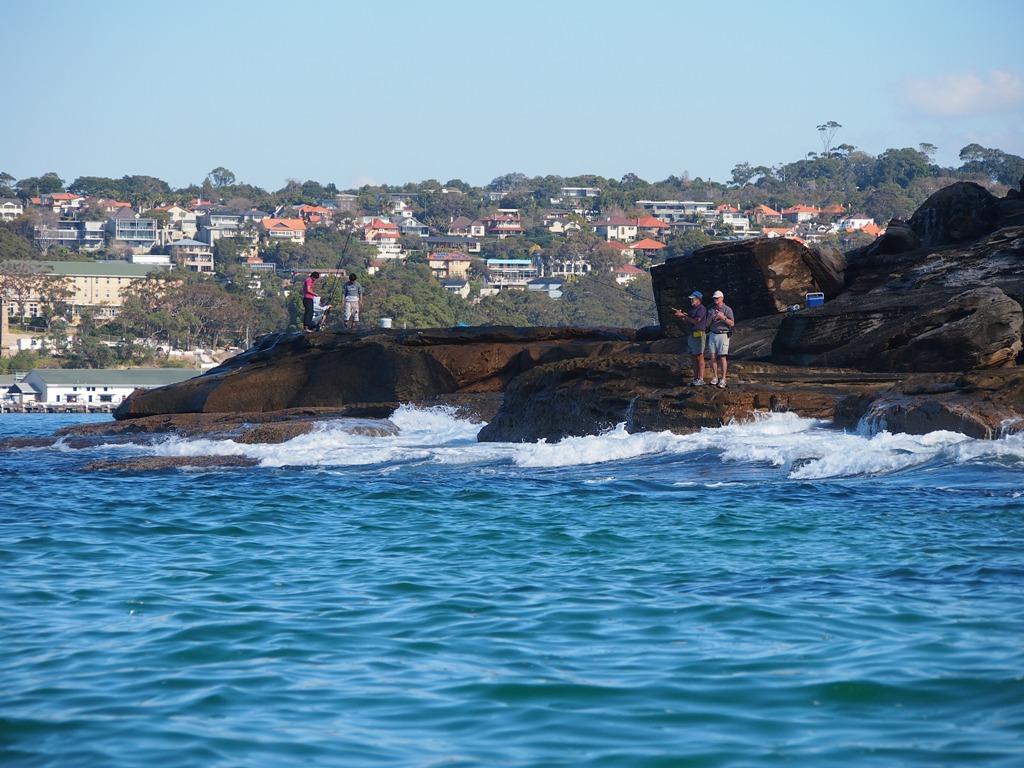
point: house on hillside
(621, 228)
(800, 213)
(384, 235)
(676, 210)
(283, 230)
(760, 214)
(507, 274)
(192, 255)
(651, 226)
(564, 226)
(446, 265)
(502, 225)
(627, 273)
(651, 249)
(10, 208)
(452, 243)
(457, 286)
(135, 232)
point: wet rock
(649, 393)
(274, 433)
(20, 443)
(982, 405)
(157, 463)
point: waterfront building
(91, 387)
(97, 285)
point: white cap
(717, 295)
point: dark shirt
(698, 313)
(717, 326)
(352, 291)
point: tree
(997, 165)
(144, 191)
(46, 184)
(686, 242)
(15, 247)
(6, 184)
(221, 177)
(97, 186)
(826, 132)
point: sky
(360, 93)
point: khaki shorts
(695, 343)
(352, 309)
(718, 344)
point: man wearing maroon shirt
(308, 295)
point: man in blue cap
(695, 320)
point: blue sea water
(774, 593)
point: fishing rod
(334, 283)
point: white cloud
(965, 94)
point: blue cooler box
(814, 299)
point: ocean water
(774, 593)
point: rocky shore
(921, 331)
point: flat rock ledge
(157, 463)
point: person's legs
(307, 313)
(714, 363)
(725, 369)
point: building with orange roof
(762, 213)
(872, 229)
(800, 212)
(652, 226)
(836, 209)
(776, 231)
(283, 230)
(384, 235)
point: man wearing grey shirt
(720, 328)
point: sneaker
(697, 383)
(721, 384)
(714, 382)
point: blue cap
(696, 295)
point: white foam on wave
(802, 449)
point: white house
(93, 387)
(10, 208)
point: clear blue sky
(361, 93)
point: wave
(802, 449)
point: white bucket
(385, 322)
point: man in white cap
(721, 322)
(696, 321)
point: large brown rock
(984, 405)
(759, 277)
(980, 328)
(647, 392)
(333, 370)
(956, 214)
